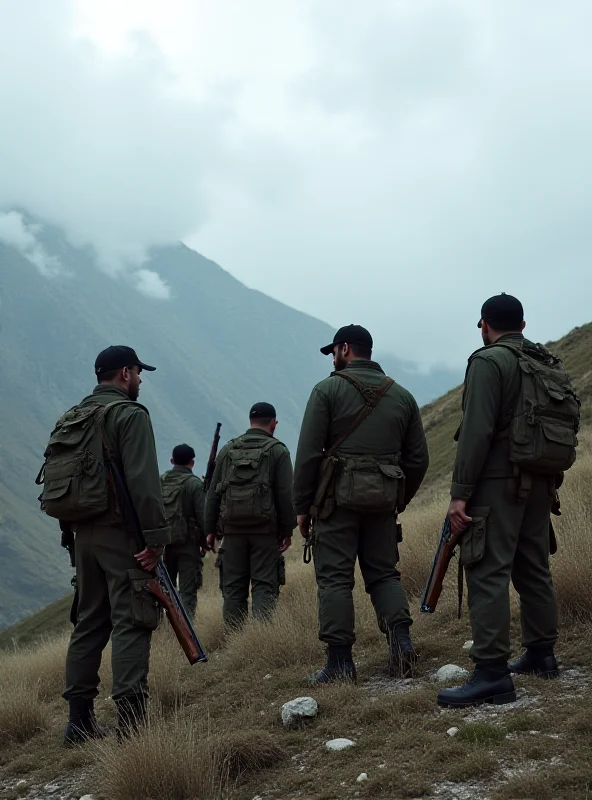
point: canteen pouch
(472, 541)
(366, 485)
(145, 610)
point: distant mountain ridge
(218, 347)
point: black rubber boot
(82, 724)
(339, 666)
(402, 656)
(535, 662)
(489, 683)
(131, 714)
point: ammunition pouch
(145, 611)
(472, 541)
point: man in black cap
(249, 503)
(362, 456)
(503, 510)
(184, 500)
(111, 557)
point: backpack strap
(372, 397)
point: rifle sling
(372, 398)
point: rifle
(444, 553)
(160, 584)
(67, 543)
(212, 458)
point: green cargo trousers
(339, 540)
(514, 543)
(183, 560)
(110, 603)
(249, 558)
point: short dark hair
(262, 420)
(105, 377)
(361, 350)
(183, 454)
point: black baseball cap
(117, 357)
(503, 312)
(262, 411)
(350, 334)
(183, 454)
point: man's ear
(523, 325)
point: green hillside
(218, 347)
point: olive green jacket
(193, 500)
(129, 429)
(394, 428)
(280, 468)
(492, 386)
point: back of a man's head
(183, 454)
(262, 415)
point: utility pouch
(472, 541)
(366, 485)
(146, 612)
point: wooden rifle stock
(444, 553)
(166, 595)
(212, 458)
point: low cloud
(21, 235)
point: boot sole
(496, 700)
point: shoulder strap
(107, 443)
(372, 397)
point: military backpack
(172, 484)
(246, 493)
(543, 431)
(75, 475)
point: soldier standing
(110, 561)
(184, 501)
(361, 458)
(249, 503)
(503, 486)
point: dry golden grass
(22, 714)
(215, 730)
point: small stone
(257, 797)
(381, 766)
(267, 677)
(300, 708)
(339, 744)
(88, 797)
(468, 644)
(51, 788)
(452, 731)
(20, 783)
(363, 776)
(450, 672)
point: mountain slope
(218, 347)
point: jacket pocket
(472, 542)
(145, 611)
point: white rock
(300, 708)
(257, 797)
(267, 677)
(452, 731)
(88, 797)
(468, 644)
(363, 776)
(339, 744)
(20, 783)
(450, 672)
(51, 788)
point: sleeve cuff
(461, 491)
(157, 537)
(303, 508)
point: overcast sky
(387, 163)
